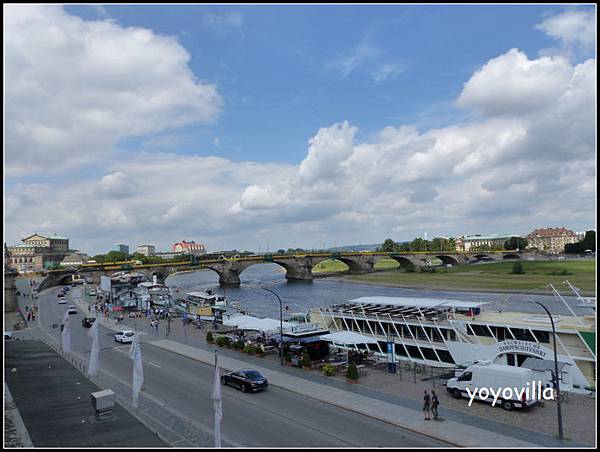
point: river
(299, 296)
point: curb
(410, 429)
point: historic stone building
(184, 247)
(552, 240)
(480, 242)
(38, 252)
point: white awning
(348, 338)
(246, 322)
(418, 302)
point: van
(496, 377)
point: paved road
(182, 387)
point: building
(184, 247)
(38, 252)
(481, 243)
(551, 240)
(146, 250)
(74, 259)
(122, 248)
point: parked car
(61, 294)
(7, 336)
(72, 310)
(66, 289)
(86, 322)
(62, 301)
(124, 337)
(92, 293)
(247, 380)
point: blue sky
(274, 66)
(298, 125)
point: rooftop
(54, 401)
(418, 302)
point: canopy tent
(348, 338)
(246, 322)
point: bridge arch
(448, 260)
(511, 256)
(403, 261)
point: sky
(266, 127)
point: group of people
(357, 357)
(430, 405)
(31, 312)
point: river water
(299, 296)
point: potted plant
(209, 337)
(238, 344)
(352, 373)
(305, 362)
(249, 348)
(328, 369)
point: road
(182, 388)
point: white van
(497, 378)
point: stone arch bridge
(298, 267)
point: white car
(72, 310)
(124, 337)
(62, 301)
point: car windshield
(253, 375)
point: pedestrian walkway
(450, 431)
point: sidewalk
(449, 431)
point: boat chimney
(154, 279)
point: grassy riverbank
(491, 277)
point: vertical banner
(217, 403)
(65, 335)
(94, 353)
(391, 355)
(138, 371)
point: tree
(116, 256)
(418, 244)
(515, 243)
(518, 269)
(389, 246)
(352, 372)
(588, 243)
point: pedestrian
(29, 316)
(434, 404)
(427, 406)
(152, 324)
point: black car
(246, 380)
(87, 321)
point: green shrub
(249, 348)
(518, 269)
(328, 370)
(209, 337)
(288, 357)
(238, 345)
(352, 372)
(305, 362)
(223, 341)
(410, 268)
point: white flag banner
(138, 371)
(95, 352)
(65, 335)
(217, 403)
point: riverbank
(492, 277)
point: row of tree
(588, 244)
(447, 244)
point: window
(466, 376)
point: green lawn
(493, 276)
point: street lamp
(280, 324)
(556, 379)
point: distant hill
(354, 248)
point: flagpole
(217, 402)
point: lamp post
(556, 379)
(280, 324)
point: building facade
(122, 248)
(479, 242)
(184, 247)
(38, 252)
(146, 250)
(74, 259)
(551, 240)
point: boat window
(481, 330)
(542, 336)
(522, 334)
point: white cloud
(575, 29)
(513, 84)
(385, 72)
(75, 88)
(347, 62)
(223, 23)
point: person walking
(427, 406)
(435, 402)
